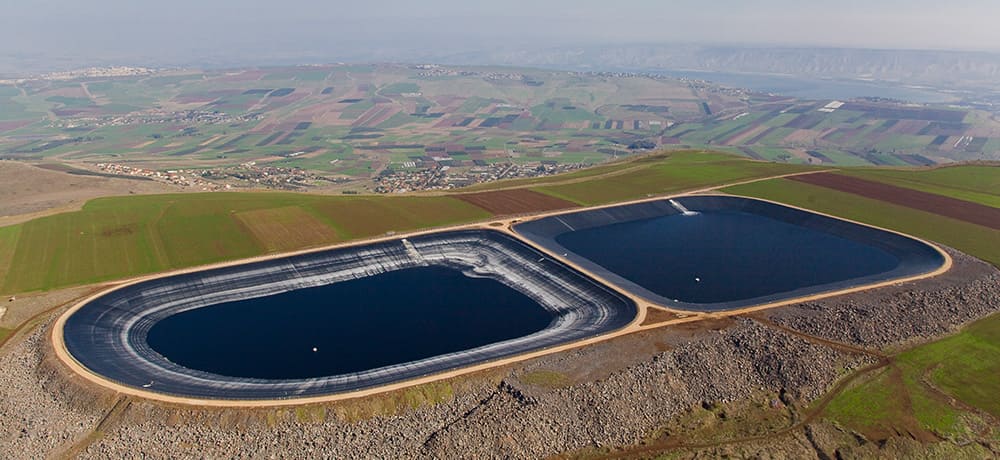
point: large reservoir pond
(724, 255)
(391, 318)
(712, 253)
(339, 320)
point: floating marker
(697, 280)
(315, 349)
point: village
(447, 178)
(246, 175)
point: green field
(113, 238)
(979, 184)
(907, 395)
(680, 171)
(8, 241)
(120, 237)
(973, 239)
(172, 120)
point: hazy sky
(195, 28)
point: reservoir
(371, 322)
(710, 253)
(340, 320)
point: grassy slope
(8, 241)
(118, 237)
(979, 184)
(681, 171)
(907, 396)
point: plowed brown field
(945, 206)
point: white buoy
(697, 280)
(315, 349)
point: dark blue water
(722, 256)
(356, 325)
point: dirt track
(949, 207)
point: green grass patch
(972, 239)
(356, 109)
(562, 111)
(776, 137)
(978, 184)
(399, 119)
(904, 142)
(905, 396)
(11, 109)
(8, 242)
(396, 89)
(84, 246)
(965, 365)
(473, 104)
(4, 332)
(870, 405)
(365, 216)
(287, 228)
(679, 171)
(119, 237)
(844, 159)
(71, 101)
(777, 154)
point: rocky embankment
(35, 418)
(613, 393)
(902, 314)
(513, 419)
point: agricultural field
(342, 127)
(685, 171)
(843, 133)
(331, 119)
(978, 184)
(119, 237)
(515, 201)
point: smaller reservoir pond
(724, 255)
(390, 318)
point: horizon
(61, 33)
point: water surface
(356, 325)
(724, 255)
